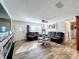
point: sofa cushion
(51, 34)
(59, 34)
(32, 36)
(58, 37)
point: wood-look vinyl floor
(34, 50)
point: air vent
(59, 5)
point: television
(5, 20)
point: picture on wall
(53, 26)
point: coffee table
(44, 41)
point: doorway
(70, 29)
(70, 35)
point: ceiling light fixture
(44, 21)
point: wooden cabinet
(77, 32)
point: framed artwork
(53, 26)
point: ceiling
(41, 9)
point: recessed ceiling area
(41, 9)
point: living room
(39, 29)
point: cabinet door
(77, 31)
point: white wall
(19, 29)
(64, 25)
(0, 1)
(60, 27)
(60, 24)
(36, 28)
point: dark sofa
(57, 37)
(32, 36)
